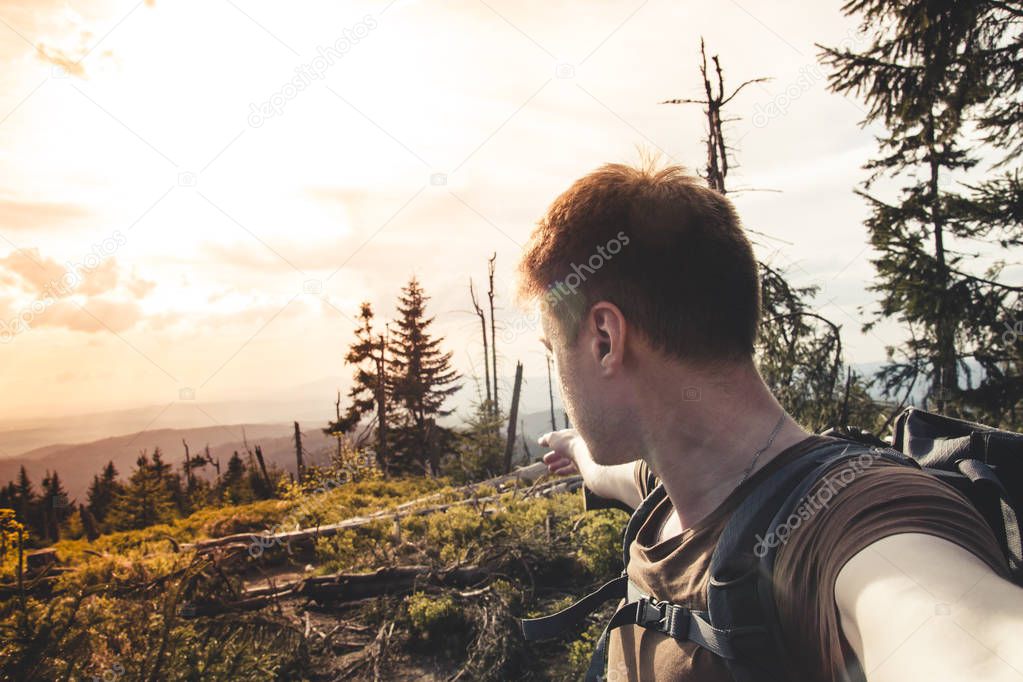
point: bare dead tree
(381, 400)
(298, 452)
(188, 466)
(483, 330)
(209, 458)
(513, 415)
(550, 393)
(717, 149)
(493, 334)
(262, 469)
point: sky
(195, 197)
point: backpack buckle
(650, 612)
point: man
(650, 303)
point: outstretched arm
(918, 607)
(570, 455)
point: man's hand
(561, 459)
(570, 455)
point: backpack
(741, 622)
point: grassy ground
(118, 611)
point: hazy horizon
(225, 226)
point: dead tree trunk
(717, 150)
(298, 453)
(262, 468)
(380, 398)
(189, 483)
(493, 335)
(513, 416)
(216, 464)
(337, 412)
(550, 393)
(483, 329)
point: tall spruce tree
(993, 210)
(920, 78)
(422, 379)
(370, 393)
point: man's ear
(607, 328)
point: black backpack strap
(981, 474)
(554, 624)
(740, 592)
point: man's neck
(703, 432)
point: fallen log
(343, 587)
(259, 542)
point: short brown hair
(684, 273)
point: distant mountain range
(78, 446)
(78, 463)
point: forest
(411, 554)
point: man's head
(633, 267)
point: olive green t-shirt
(882, 499)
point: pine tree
(8, 496)
(25, 502)
(479, 446)
(54, 506)
(921, 78)
(993, 210)
(102, 491)
(422, 380)
(370, 394)
(144, 501)
(234, 486)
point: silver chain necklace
(756, 456)
(749, 469)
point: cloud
(90, 295)
(33, 273)
(61, 59)
(97, 315)
(17, 214)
